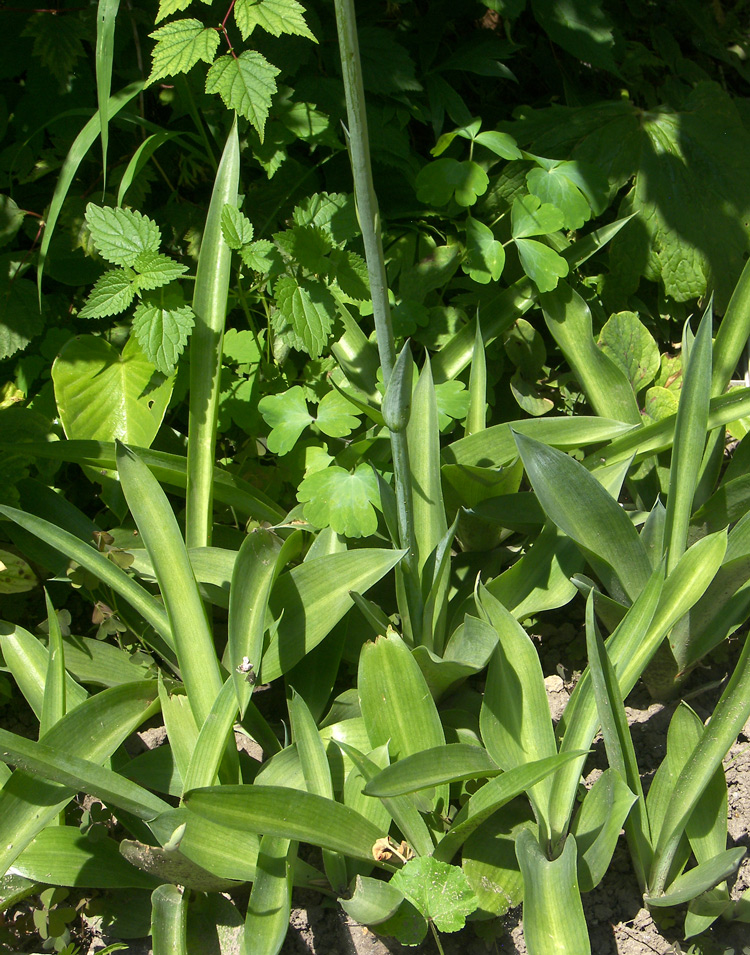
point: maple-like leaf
(168, 7)
(340, 500)
(179, 46)
(246, 84)
(121, 235)
(273, 16)
(288, 416)
(441, 892)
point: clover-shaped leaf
(485, 256)
(441, 892)
(288, 417)
(340, 500)
(576, 189)
(337, 416)
(438, 182)
(529, 216)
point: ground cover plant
(340, 344)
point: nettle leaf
(340, 500)
(273, 16)
(335, 212)
(441, 892)
(307, 246)
(246, 84)
(112, 293)
(168, 7)
(349, 271)
(541, 263)
(440, 181)
(309, 309)
(555, 187)
(485, 256)
(162, 324)
(179, 46)
(156, 270)
(261, 256)
(630, 344)
(288, 416)
(20, 317)
(337, 416)
(236, 228)
(529, 216)
(121, 235)
(58, 41)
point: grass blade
(54, 703)
(106, 15)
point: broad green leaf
(441, 892)
(169, 920)
(597, 826)
(102, 393)
(553, 919)
(502, 144)
(21, 318)
(273, 16)
(236, 228)
(627, 341)
(346, 502)
(168, 7)
(215, 736)
(180, 45)
(372, 901)
(63, 855)
(582, 509)
(605, 384)
(313, 597)
(289, 814)
(699, 879)
(16, 576)
(112, 293)
(485, 256)
(245, 83)
(444, 764)
(349, 271)
(157, 525)
(309, 309)
(525, 347)
(270, 903)
(568, 187)
(333, 212)
(529, 216)
(11, 217)
(541, 263)
(162, 333)
(336, 416)
(121, 236)
(156, 270)
(92, 731)
(288, 416)
(489, 859)
(440, 181)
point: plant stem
(436, 937)
(369, 221)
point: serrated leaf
(485, 256)
(236, 228)
(246, 84)
(179, 46)
(349, 271)
(335, 498)
(541, 263)
(530, 217)
(260, 256)
(155, 270)
(121, 235)
(309, 308)
(168, 7)
(337, 417)
(20, 316)
(440, 891)
(57, 41)
(288, 416)
(439, 181)
(112, 293)
(334, 212)
(629, 343)
(307, 246)
(273, 16)
(162, 333)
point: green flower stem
(369, 221)
(210, 307)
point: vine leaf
(121, 235)
(288, 417)
(340, 500)
(440, 181)
(179, 46)
(273, 16)
(308, 308)
(439, 891)
(246, 84)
